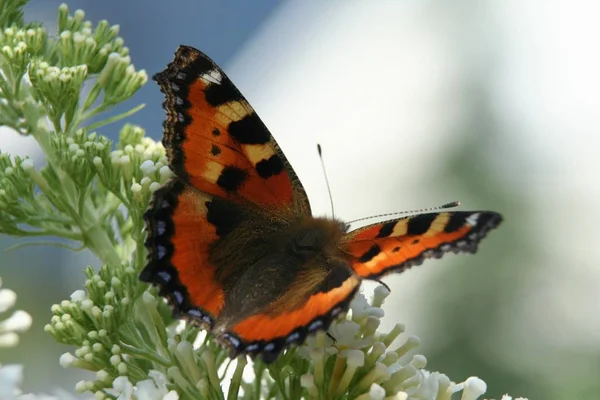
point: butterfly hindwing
(291, 308)
(216, 141)
(182, 225)
(396, 245)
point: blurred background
(416, 103)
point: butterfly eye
(307, 243)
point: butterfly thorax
(259, 261)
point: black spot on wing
(335, 278)
(223, 215)
(369, 254)
(387, 229)
(216, 132)
(396, 249)
(215, 150)
(232, 179)
(249, 130)
(419, 224)
(219, 94)
(456, 221)
(270, 167)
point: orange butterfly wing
(309, 304)
(216, 141)
(394, 246)
(179, 239)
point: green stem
(5, 86)
(236, 379)
(145, 354)
(112, 119)
(100, 244)
(52, 232)
(259, 370)
(276, 373)
(38, 244)
(18, 86)
(140, 244)
(93, 112)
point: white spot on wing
(161, 252)
(472, 219)
(161, 227)
(178, 296)
(212, 76)
(165, 276)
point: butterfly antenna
(326, 180)
(442, 207)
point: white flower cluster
(19, 321)
(17, 42)
(152, 161)
(365, 365)
(154, 388)
(60, 76)
(128, 79)
(83, 44)
(11, 376)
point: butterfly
(232, 243)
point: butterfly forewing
(216, 141)
(396, 245)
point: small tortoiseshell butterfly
(232, 242)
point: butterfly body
(232, 242)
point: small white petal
(67, 360)
(136, 188)
(87, 304)
(20, 321)
(379, 295)
(78, 296)
(165, 173)
(125, 389)
(102, 375)
(7, 299)
(146, 390)
(355, 358)
(9, 339)
(376, 392)
(307, 381)
(27, 165)
(375, 312)
(473, 388)
(172, 395)
(358, 304)
(148, 167)
(11, 377)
